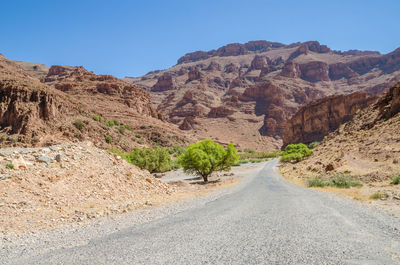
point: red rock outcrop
(220, 112)
(291, 70)
(258, 62)
(314, 71)
(193, 75)
(164, 83)
(320, 117)
(341, 70)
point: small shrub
(313, 145)
(116, 122)
(396, 180)
(249, 151)
(377, 196)
(35, 139)
(110, 123)
(358, 111)
(97, 118)
(10, 166)
(143, 127)
(295, 152)
(79, 124)
(316, 182)
(108, 139)
(344, 181)
(121, 130)
(129, 128)
(77, 135)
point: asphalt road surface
(265, 220)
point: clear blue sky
(130, 38)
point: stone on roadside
(58, 158)
(44, 159)
(19, 163)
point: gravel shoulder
(264, 220)
(77, 234)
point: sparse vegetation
(143, 127)
(377, 196)
(396, 180)
(10, 166)
(77, 135)
(205, 157)
(79, 124)
(108, 139)
(344, 181)
(154, 160)
(295, 152)
(313, 145)
(97, 118)
(339, 181)
(316, 182)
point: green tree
(295, 152)
(205, 157)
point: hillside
(367, 147)
(250, 90)
(73, 104)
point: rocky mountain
(245, 92)
(71, 103)
(368, 146)
(320, 117)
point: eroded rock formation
(320, 117)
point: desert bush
(316, 182)
(249, 151)
(396, 180)
(108, 139)
(295, 152)
(79, 124)
(344, 181)
(110, 123)
(313, 145)
(205, 157)
(377, 196)
(10, 166)
(97, 118)
(77, 135)
(121, 129)
(154, 160)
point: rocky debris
(322, 116)
(89, 183)
(164, 83)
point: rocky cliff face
(367, 146)
(265, 82)
(320, 117)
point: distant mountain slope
(246, 92)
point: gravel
(264, 220)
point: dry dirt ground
(74, 182)
(391, 193)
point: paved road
(264, 221)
